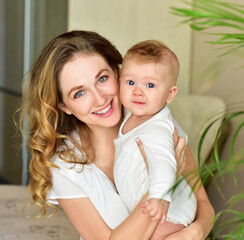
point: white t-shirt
(130, 173)
(70, 182)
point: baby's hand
(156, 209)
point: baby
(147, 84)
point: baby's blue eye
(150, 85)
(102, 79)
(79, 94)
(130, 82)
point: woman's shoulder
(70, 180)
(70, 166)
(67, 150)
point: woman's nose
(99, 98)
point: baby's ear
(63, 107)
(172, 92)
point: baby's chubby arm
(158, 144)
(156, 209)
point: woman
(74, 112)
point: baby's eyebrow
(149, 78)
(127, 75)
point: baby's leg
(164, 230)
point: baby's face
(144, 86)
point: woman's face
(90, 91)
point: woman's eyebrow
(102, 70)
(75, 88)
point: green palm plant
(203, 15)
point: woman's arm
(202, 225)
(91, 226)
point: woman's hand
(141, 148)
(180, 152)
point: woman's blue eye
(79, 94)
(102, 79)
(130, 82)
(150, 85)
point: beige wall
(223, 78)
(129, 21)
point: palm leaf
(235, 199)
(205, 14)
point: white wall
(127, 22)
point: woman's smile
(105, 112)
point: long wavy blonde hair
(48, 126)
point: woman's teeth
(105, 110)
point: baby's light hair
(155, 51)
